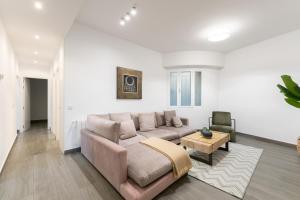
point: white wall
(38, 99)
(91, 58)
(248, 88)
(35, 71)
(8, 79)
(194, 58)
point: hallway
(36, 169)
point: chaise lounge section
(136, 171)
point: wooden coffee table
(208, 146)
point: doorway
(35, 103)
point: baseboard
(3, 165)
(72, 150)
(268, 140)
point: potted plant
(291, 92)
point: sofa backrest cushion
(103, 116)
(160, 119)
(147, 121)
(127, 129)
(103, 127)
(119, 117)
(168, 116)
(135, 118)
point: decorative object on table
(291, 91)
(206, 133)
(129, 83)
(222, 121)
(231, 171)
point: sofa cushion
(103, 116)
(147, 121)
(146, 165)
(127, 129)
(182, 131)
(135, 118)
(161, 133)
(103, 127)
(132, 140)
(160, 119)
(176, 121)
(168, 116)
(119, 117)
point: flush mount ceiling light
(128, 16)
(36, 53)
(38, 5)
(37, 37)
(218, 36)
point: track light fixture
(127, 17)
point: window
(185, 88)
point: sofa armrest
(108, 157)
(185, 121)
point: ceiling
(177, 25)
(161, 25)
(23, 22)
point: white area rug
(231, 171)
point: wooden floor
(36, 169)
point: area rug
(231, 171)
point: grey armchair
(221, 121)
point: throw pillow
(147, 121)
(127, 129)
(119, 117)
(160, 119)
(168, 117)
(135, 118)
(103, 127)
(177, 122)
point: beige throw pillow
(103, 127)
(177, 122)
(168, 117)
(147, 121)
(127, 129)
(120, 117)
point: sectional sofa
(136, 171)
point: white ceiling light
(127, 17)
(37, 37)
(218, 36)
(38, 5)
(133, 11)
(36, 53)
(122, 22)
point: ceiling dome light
(127, 17)
(36, 53)
(38, 5)
(122, 22)
(37, 37)
(218, 36)
(133, 11)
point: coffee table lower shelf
(209, 161)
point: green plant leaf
(287, 93)
(293, 102)
(291, 85)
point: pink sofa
(127, 164)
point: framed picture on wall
(129, 83)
